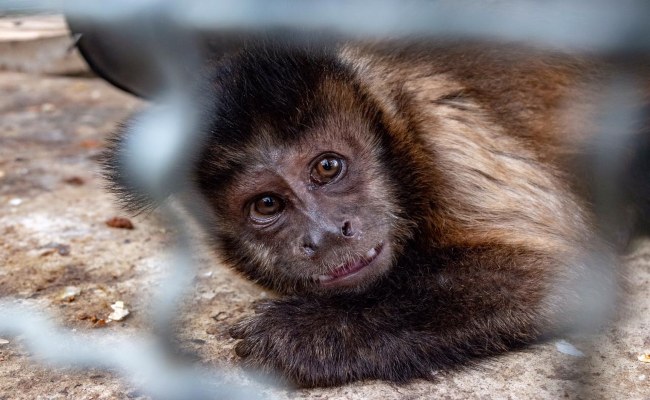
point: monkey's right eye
(266, 208)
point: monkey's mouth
(347, 271)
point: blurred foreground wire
(145, 362)
(163, 142)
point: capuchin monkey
(414, 207)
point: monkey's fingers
(242, 328)
(244, 348)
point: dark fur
(490, 239)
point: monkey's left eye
(326, 169)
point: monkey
(412, 205)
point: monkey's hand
(465, 309)
(316, 342)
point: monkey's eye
(266, 208)
(326, 169)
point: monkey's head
(298, 174)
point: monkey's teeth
(343, 270)
(371, 253)
(323, 278)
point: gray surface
(51, 130)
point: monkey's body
(450, 228)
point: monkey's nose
(308, 250)
(347, 230)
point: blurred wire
(596, 25)
(143, 361)
(162, 143)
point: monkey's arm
(479, 302)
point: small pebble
(642, 377)
(74, 181)
(644, 357)
(3, 341)
(120, 223)
(15, 202)
(220, 316)
(70, 293)
(119, 311)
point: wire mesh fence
(164, 141)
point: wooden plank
(32, 28)
(38, 44)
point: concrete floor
(53, 234)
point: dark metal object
(125, 54)
(116, 53)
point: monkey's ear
(119, 180)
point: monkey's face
(316, 215)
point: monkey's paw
(300, 342)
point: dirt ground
(53, 235)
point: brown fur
(458, 159)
